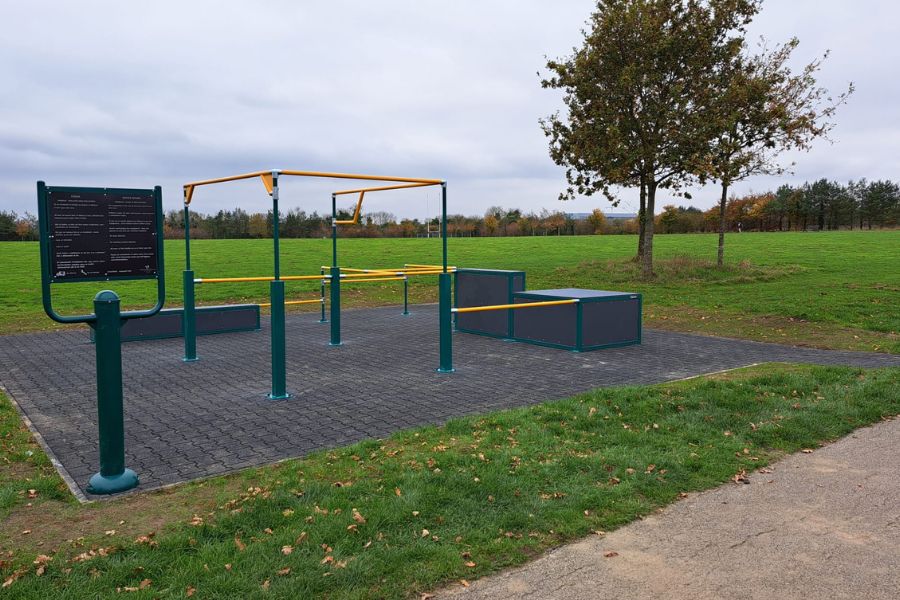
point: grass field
(396, 517)
(836, 289)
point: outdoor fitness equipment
(276, 286)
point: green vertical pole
(445, 317)
(444, 222)
(322, 297)
(113, 476)
(188, 317)
(335, 306)
(334, 262)
(444, 296)
(276, 294)
(279, 363)
(406, 295)
(335, 279)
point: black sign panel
(99, 234)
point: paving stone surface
(189, 420)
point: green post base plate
(102, 484)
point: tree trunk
(642, 211)
(720, 260)
(649, 211)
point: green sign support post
(103, 234)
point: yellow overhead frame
(267, 176)
(362, 193)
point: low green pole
(406, 295)
(445, 317)
(322, 297)
(335, 306)
(279, 361)
(189, 318)
(113, 476)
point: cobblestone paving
(189, 420)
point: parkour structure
(333, 275)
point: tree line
(818, 206)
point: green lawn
(427, 507)
(836, 289)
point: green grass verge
(832, 289)
(390, 518)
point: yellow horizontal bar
(383, 188)
(364, 177)
(246, 279)
(468, 309)
(372, 279)
(289, 302)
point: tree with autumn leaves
(663, 94)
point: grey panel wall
(547, 324)
(482, 287)
(167, 323)
(610, 322)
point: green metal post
(113, 476)
(279, 362)
(335, 306)
(322, 297)
(188, 318)
(406, 295)
(445, 317)
(276, 298)
(444, 223)
(335, 279)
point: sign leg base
(104, 484)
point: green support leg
(113, 476)
(335, 306)
(279, 363)
(189, 319)
(446, 323)
(322, 297)
(406, 296)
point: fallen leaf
(241, 546)
(196, 521)
(806, 451)
(358, 517)
(464, 582)
(227, 566)
(283, 572)
(32, 494)
(287, 550)
(470, 564)
(398, 492)
(265, 584)
(110, 532)
(610, 554)
(425, 533)
(301, 538)
(268, 530)
(190, 591)
(287, 512)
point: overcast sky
(138, 94)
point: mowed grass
(432, 506)
(834, 289)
